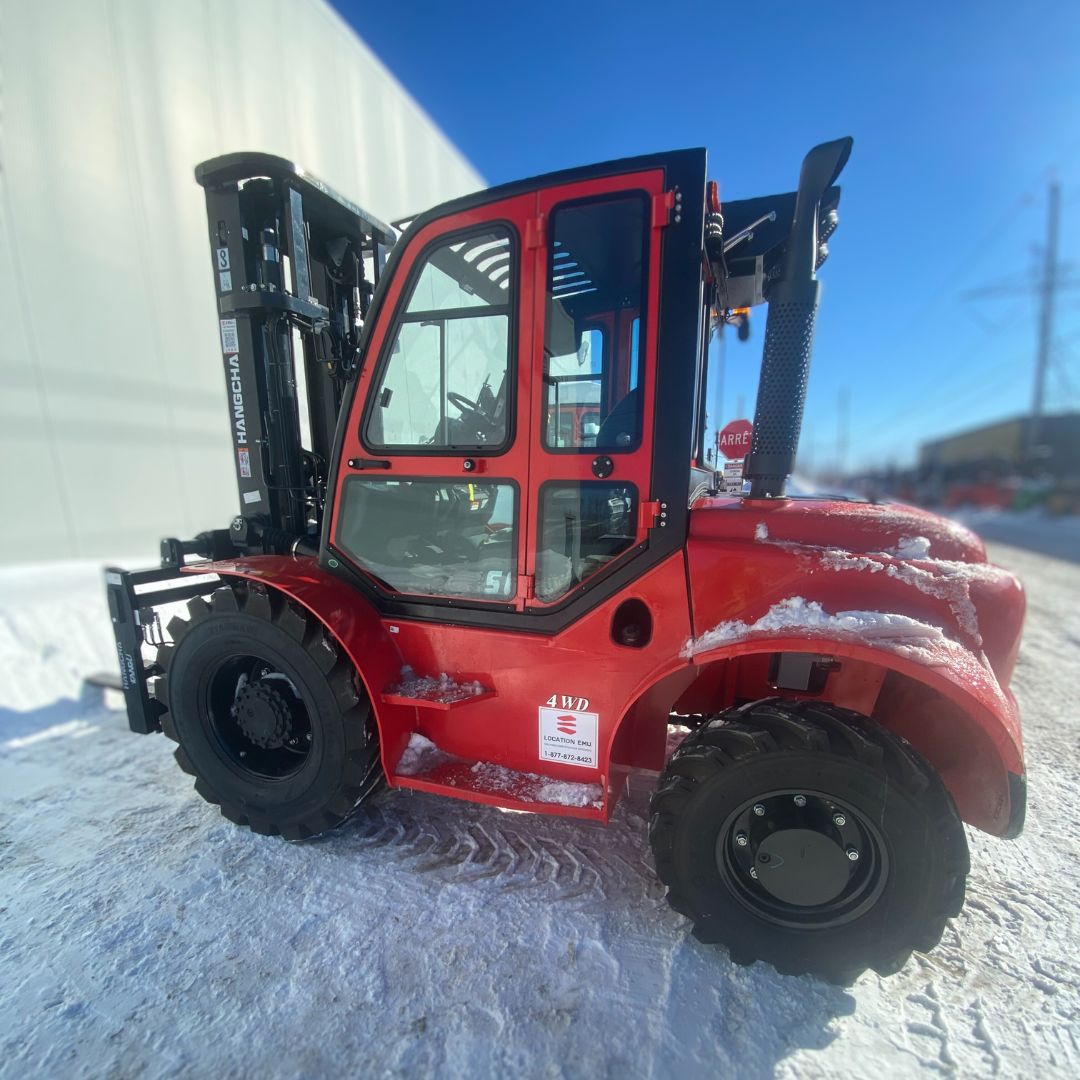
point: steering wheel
(470, 410)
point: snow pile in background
(62, 606)
(442, 689)
(808, 616)
(421, 756)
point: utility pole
(1047, 290)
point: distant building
(1003, 446)
(113, 421)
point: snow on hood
(943, 579)
(897, 632)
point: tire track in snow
(457, 842)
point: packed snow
(141, 934)
(910, 547)
(441, 688)
(537, 788)
(942, 579)
(421, 756)
(795, 613)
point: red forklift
(433, 584)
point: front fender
(938, 695)
(349, 619)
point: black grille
(785, 369)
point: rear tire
(270, 716)
(809, 837)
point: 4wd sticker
(568, 735)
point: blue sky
(959, 111)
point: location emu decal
(568, 732)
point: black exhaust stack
(789, 331)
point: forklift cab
(500, 455)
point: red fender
(349, 618)
(941, 697)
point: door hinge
(652, 515)
(662, 205)
(526, 586)
(534, 233)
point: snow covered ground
(143, 935)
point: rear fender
(940, 696)
(349, 620)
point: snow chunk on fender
(910, 547)
(808, 616)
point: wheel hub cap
(801, 866)
(801, 858)
(263, 716)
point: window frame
(402, 315)
(616, 560)
(384, 589)
(610, 346)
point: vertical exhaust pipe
(789, 331)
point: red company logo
(567, 725)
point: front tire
(269, 713)
(809, 837)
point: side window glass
(573, 392)
(595, 296)
(432, 537)
(445, 383)
(583, 525)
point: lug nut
(853, 854)
(800, 800)
(759, 810)
(742, 839)
(839, 819)
(753, 873)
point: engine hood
(845, 556)
(857, 527)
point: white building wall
(113, 424)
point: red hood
(858, 527)
(853, 556)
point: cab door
(593, 389)
(430, 500)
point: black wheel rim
(258, 717)
(801, 858)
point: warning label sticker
(244, 458)
(569, 736)
(230, 343)
(225, 280)
(733, 477)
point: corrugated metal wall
(113, 425)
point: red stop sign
(733, 441)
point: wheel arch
(940, 697)
(347, 617)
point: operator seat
(620, 426)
